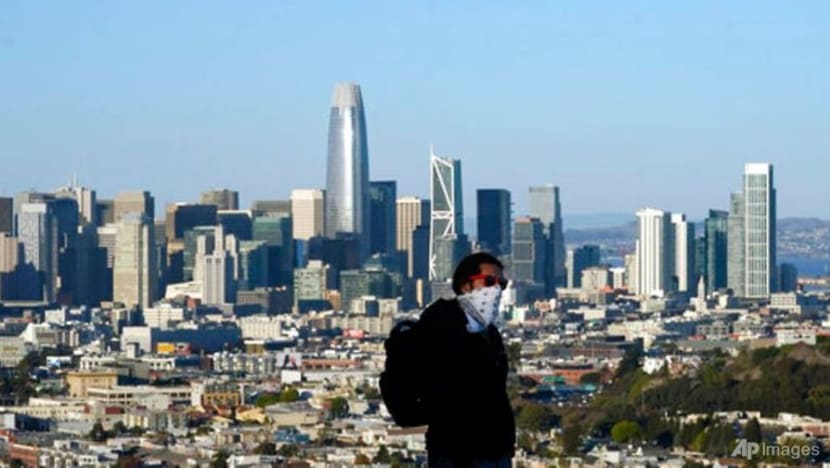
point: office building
(141, 202)
(182, 217)
(494, 221)
(716, 239)
(412, 213)
(529, 251)
(579, 259)
(447, 212)
(135, 273)
(655, 253)
(382, 213)
(308, 211)
(223, 199)
(684, 253)
(545, 204)
(347, 180)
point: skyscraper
(308, 210)
(446, 218)
(759, 230)
(752, 234)
(347, 182)
(37, 228)
(276, 232)
(223, 199)
(6, 215)
(182, 217)
(716, 237)
(382, 212)
(135, 270)
(655, 252)
(86, 199)
(494, 220)
(544, 202)
(134, 202)
(684, 253)
(529, 250)
(412, 213)
(579, 259)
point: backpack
(402, 381)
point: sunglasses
(490, 280)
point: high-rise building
(223, 199)
(787, 277)
(271, 208)
(382, 212)
(104, 212)
(135, 273)
(347, 181)
(276, 232)
(716, 238)
(580, 258)
(311, 282)
(182, 217)
(218, 285)
(308, 210)
(752, 234)
(355, 284)
(655, 253)
(37, 228)
(253, 265)
(412, 213)
(494, 220)
(684, 253)
(10, 256)
(759, 230)
(236, 222)
(529, 250)
(134, 202)
(85, 198)
(545, 204)
(448, 251)
(447, 210)
(735, 276)
(204, 236)
(6, 215)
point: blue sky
(621, 104)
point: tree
(119, 428)
(535, 417)
(382, 456)
(362, 459)
(289, 395)
(339, 407)
(571, 439)
(590, 378)
(514, 356)
(289, 450)
(626, 431)
(267, 399)
(752, 431)
(266, 448)
(526, 442)
(97, 433)
(220, 459)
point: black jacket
(469, 413)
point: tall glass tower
(347, 183)
(759, 230)
(446, 211)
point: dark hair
(470, 266)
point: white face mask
(481, 306)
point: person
(470, 420)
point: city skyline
(704, 86)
